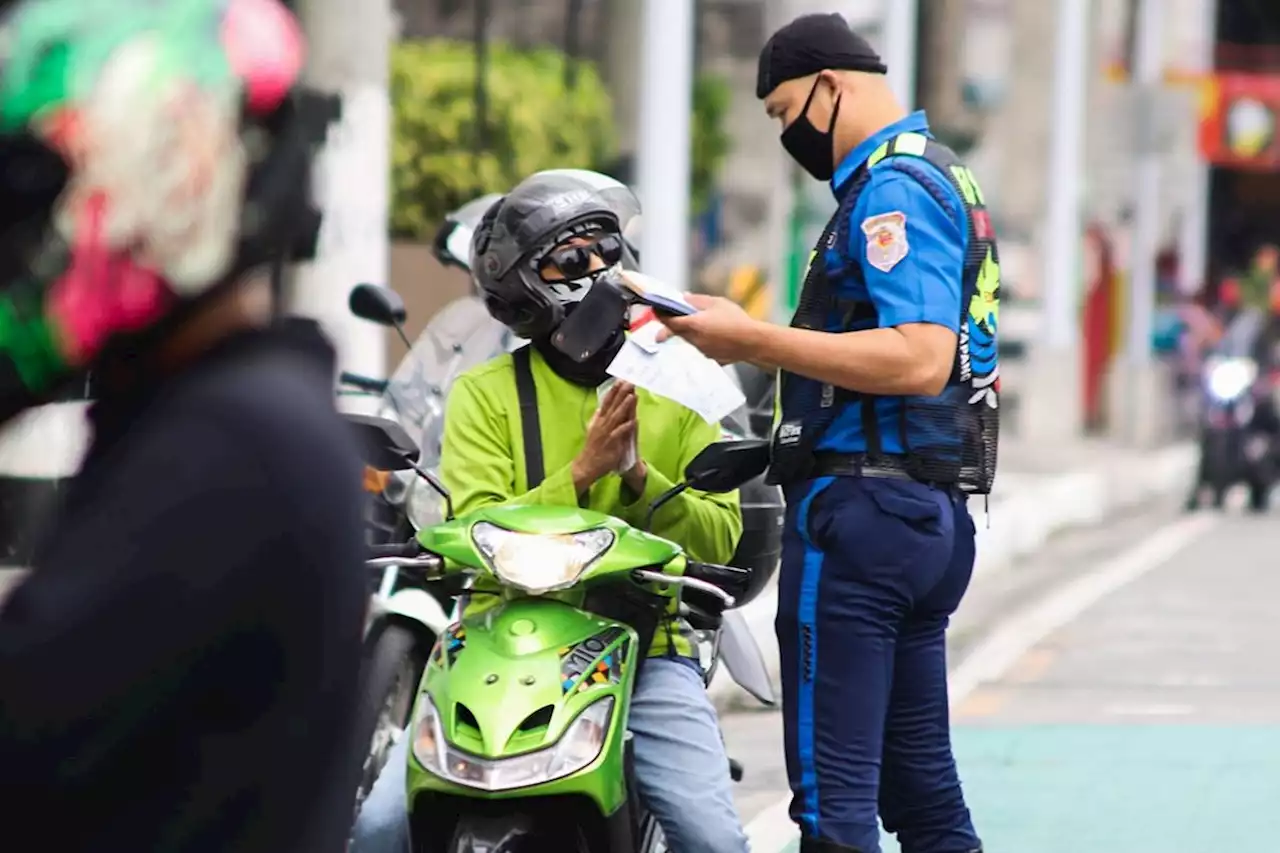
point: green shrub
(711, 99)
(533, 123)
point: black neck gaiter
(590, 373)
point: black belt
(828, 464)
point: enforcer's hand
(721, 329)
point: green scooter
(519, 733)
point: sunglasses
(575, 261)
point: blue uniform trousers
(872, 570)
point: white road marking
(772, 830)
(1149, 710)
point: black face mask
(590, 373)
(813, 149)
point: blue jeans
(682, 770)
(872, 570)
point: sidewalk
(1038, 493)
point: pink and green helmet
(145, 102)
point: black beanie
(813, 43)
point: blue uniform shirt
(923, 287)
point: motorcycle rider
(536, 254)
(178, 671)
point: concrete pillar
(1051, 405)
(901, 18)
(663, 153)
(1140, 388)
(1022, 125)
(1194, 239)
(348, 55)
(621, 66)
(941, 65)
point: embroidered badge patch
(886, 239)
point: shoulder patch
(886, 239)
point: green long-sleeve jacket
(482, 464)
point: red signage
(1239, 118)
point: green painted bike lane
(1151, 724)
(1136, 789)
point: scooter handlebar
(728, 578)
(364, 383)
(697, 585)
(395, 549)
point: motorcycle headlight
(538, 562)
(1231, 377)
(580, 745)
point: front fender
(417, 605)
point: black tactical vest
(949, 439)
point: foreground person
(178, 673)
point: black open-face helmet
(519, 233)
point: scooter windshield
(458, 338)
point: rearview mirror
(384, 444)
(452, 245)
(726, 465)
(380, 305)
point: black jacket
(179, 673)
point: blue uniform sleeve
(911, 250)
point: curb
(1019, 526)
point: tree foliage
(712, 96)
(533, 122)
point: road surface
(1120, 695)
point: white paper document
(676, 370)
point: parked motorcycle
(405, 618)
(519, 731)
(401, 625)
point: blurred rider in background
(179, 670)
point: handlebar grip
(364, 383)
(728, 578)
(395, 549)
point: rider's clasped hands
(611, 436)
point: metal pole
(349, 55)
(1066, 180)
(901, 31)
(1195, 225)
(1147, 73)
(663, 155)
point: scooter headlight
(1231, 377)
(581, 744)
(536, 562)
